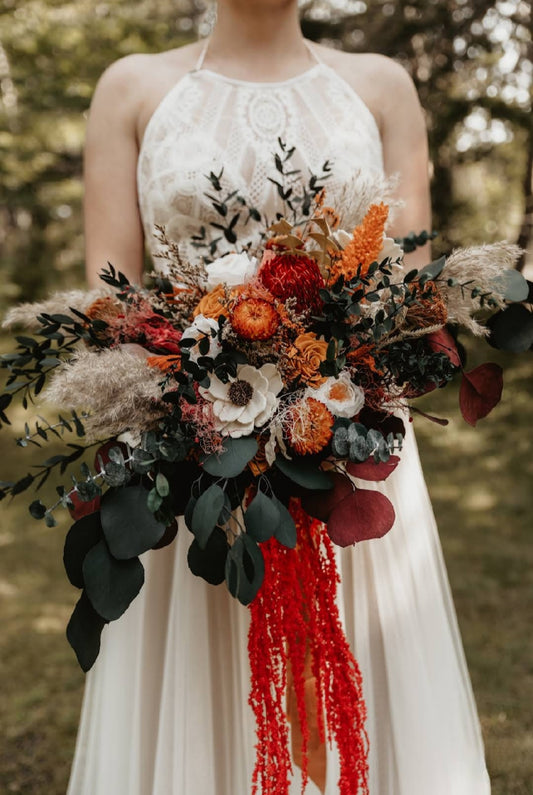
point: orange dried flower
(305, 358)
(364, 247)
(361, 356)
(213, 304)
(106, 309)
(258, 465)
(164, 363)
(254, 319)
(310, 426)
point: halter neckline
(199, 67)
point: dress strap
(201, 58)
(313, 51)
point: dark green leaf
(433, 270)
(231, 462)
(512, 285)
(262, 517)
(309, 477)
(161, 484)
(82, 536)
(129, 526)
(245, 569)
(286, 529)
(111, 584)
(206, 512)
(83, 632)
(209, 563)
(37, 509)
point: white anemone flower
(342, 397)
(231, 270)
(201, 327)
(245, 402)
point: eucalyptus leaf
(303, 474)
(286, 529)
(511, 285)
(83, 632)
(231, 462)
(129, 526)
(111, 584)
(433, 270)
(245, 569)
(82, 537)
(262, 517)
(209, 563)
(206, 512)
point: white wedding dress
(165, 710)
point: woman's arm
(405, 151)
(113, 229)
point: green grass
(482, 489)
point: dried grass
(481, 267)
(58, 303)
(118, 389)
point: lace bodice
(209, 122)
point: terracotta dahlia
(254, 319)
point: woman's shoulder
(134, 84)
(380, 81)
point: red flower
(293, 276)
(157, 332)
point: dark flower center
(240, 393)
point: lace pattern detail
(208, 122)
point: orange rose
(305, 358)
(213, 304)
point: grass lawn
(482, 488)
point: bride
(166, 705)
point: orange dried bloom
(364, 247)
(213, 304)
(164, 363)
(107, 309)
(429, 311)
(305, 358)
(332, 217)
(309, 427)
(258, 465)
(361, 356)
(255, 319)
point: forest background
(472, 62)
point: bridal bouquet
(254, 393)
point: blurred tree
(51, 55)
(466, 58)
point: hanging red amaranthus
(295, 615)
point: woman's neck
(258, 43)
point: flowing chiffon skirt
(166, 712)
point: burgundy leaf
(442, 342)
(320, 504)
(360, 516)
(481, 390)
(369, 470)
(80, 508)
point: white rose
(202, 326)
(231, 269)
(342, 397)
